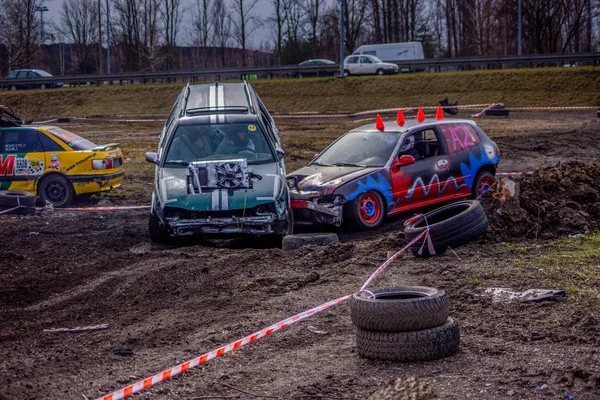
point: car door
(461, 139)
(366, 66)
(22, 159)
(352, 65)
(22, 75)
(427, 180)
(33, 75)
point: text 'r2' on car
(380, 170)
(219, 167)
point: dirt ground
(172, 303)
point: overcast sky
(263, 9)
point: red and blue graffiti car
(380, 170)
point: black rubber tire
(289, 228)
(380, 72)
(428, 344)
(480, 177)
(400, 309)
(158, 234)
(352, 212)
(292, 242)
(452, 225)
(346, 73)
(14, 198)
(57, 190)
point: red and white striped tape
(171, 372)
(9, 210)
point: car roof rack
(217, 110)
(8, 117)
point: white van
(393, 52)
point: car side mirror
(406, 160)
(152, 157)
(280, 154)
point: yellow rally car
(55, 163)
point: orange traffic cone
(400, 118)
(420, 115)
(379, 123)
(439, 115)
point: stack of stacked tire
(452, 225)
(406, 323)
(18, 202)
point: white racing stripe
(215, 200)
(220, 103)
(212, 102)
(224, 200)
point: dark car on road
(379, 170)
(25, 74)
(316, 71)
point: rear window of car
(72, 140)
(49, 144)
(218, 142)
(459, 137)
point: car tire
(400, 309)
(57, 190)
(452, 225)
(293, 242)
(42, 86)
(158, 234)
(13, 87)
(346, 73)
(15, 198)
(300, 75)
(424, 345)
(288, 229)
(366, 211)
(482, 182)
(380, 72)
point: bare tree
(221, 26)
(78, 21)
(278, 20)
(244, 23)
(312, 11)
(172, 19)
(202, 22)
(19, 31)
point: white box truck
(394, 52)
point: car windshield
(358, 148)
(43, 73)
(73, 140)
(218, 142)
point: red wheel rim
(484, 184)
(370, 208)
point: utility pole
(42, 9)
(520, 27)
(100, 51)
(342, 38)
(107, 38)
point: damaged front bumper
(318, 211)
(255, 225)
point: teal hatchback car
(219, 167)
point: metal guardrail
(197, 75)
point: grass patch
(572, 265)
(514, 88)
